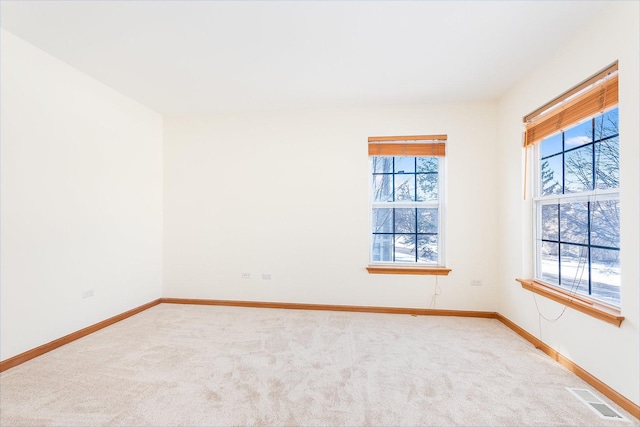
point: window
(577, 209)
(407, 188)
(576, 191)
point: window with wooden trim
(576, 190)
(407, 189)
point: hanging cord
(526, 163)
(436, 291)
(592, 199)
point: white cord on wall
(436, 291)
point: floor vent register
(596, 404)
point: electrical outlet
(266, 276)
(476, 282)
(87, 293)
(245, 275)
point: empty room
(333, 213)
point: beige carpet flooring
(176, 365)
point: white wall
(287, 194)
(608, 352)
(81, 199)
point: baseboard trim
(326, 307)
(602, 387)
(45, 348)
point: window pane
(382, 164)
(427, 164)
(405, 164)
(382, 188)
(549, 253)
(405, 249)
(428, 249)
(549, 222)
(382, 220)
(382, 250)
(607, 163)
(578, 173)
(574, 268)
(551, 145)
(605, 223)
(578, 135)
(573, 223)
(427, 187)
(405, 187)
(428, 220)
(605, 275)
(551, 176)
(607, 124)
(405, 220)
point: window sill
(592, 308)
(396, 269)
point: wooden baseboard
(603, 388)
(326, 307)
(45, 348)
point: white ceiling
(209, 57)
